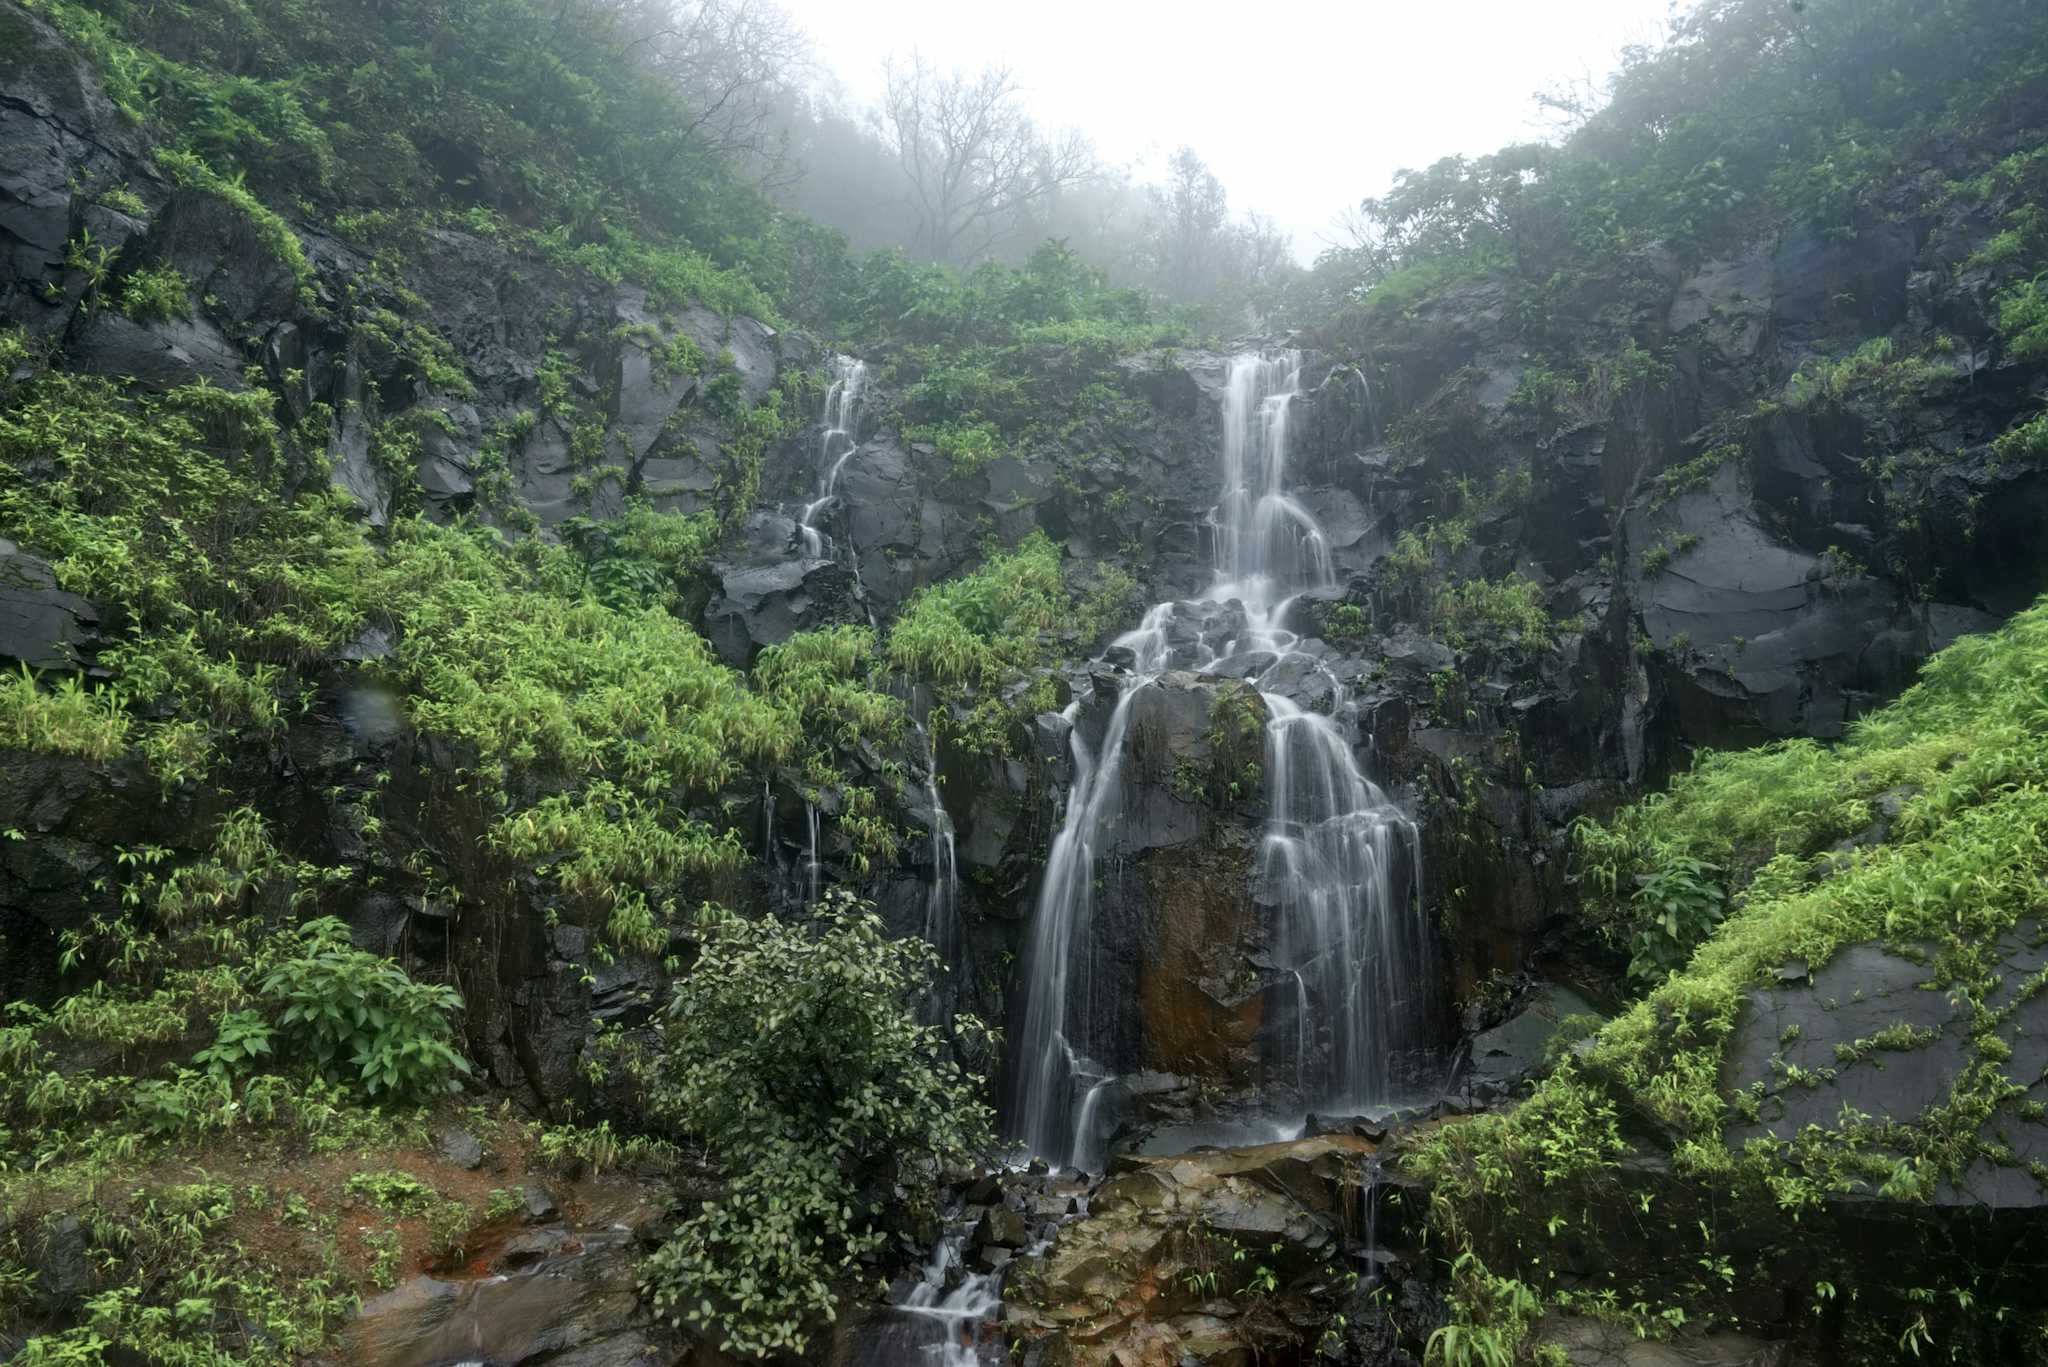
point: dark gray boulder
(41, 626)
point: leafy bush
(1675, 907)
(2023, 444)
(1873, 368)
(965, 447)
(156, 294)
(2023, 321)
(982, 628)
(828, 685)
(70, 719)
(1346, 626)
(1960, 766)
(794, 1053)
(1692, 475)
(1658, 558)
(1482, 610)
(342, 1005)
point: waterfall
(839, 438)
(1339, 865)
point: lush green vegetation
(1945, 788)
(794, 1053)
(207, 1024)
(1751, 111)
(972, 636)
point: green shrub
(965, 447)
(343, 1008)
(70, 719)
(1658, 558)
(1675, 907)
(1693, 475)
(1480, 611)
(983, 628)
(1873, 368)
(794, 1053)
(2024, 443)
(1346, 626)
(156, 295)
(2023, 321)
(822, 678)
(190, 170)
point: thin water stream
(839, 438)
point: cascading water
(1339, 865)
(936, 1324)
(839, 439)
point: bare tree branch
(976, 164)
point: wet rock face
(1517, 1049)
(1153, 1277)
(58, 130)
(41, 626)
(1884, 1036)
(548, 1290)
(1176, 933)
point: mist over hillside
(663, 705)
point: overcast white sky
(1301, 107)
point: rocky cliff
(1804, 473)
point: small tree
(794, 1053)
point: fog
(1299, 109)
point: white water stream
(839, 438)
(1339, 865)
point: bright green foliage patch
(202, 962)
(156, 294)
(69, 719)
(341, 1005)
(1475, 610)
(2024, 444)
(183, 1291)
(983, 628)
(793, 1052)
(1873, 369)
(165, 508)
(190, 170)
(1005, 359)
(970, 636)
(964, 447)
(1961, 764)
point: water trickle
(942, 898)
(812, 865)
(947, 1320)
(839, 438)
(1339, 866)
